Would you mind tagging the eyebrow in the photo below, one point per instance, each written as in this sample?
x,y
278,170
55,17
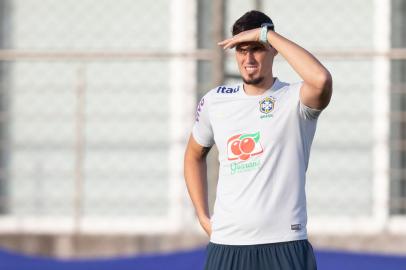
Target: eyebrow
x,y
250,47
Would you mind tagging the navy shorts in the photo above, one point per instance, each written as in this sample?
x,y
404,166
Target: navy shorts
x,y
293,255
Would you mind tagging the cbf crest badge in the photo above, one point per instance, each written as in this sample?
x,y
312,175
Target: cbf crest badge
x,y
267,105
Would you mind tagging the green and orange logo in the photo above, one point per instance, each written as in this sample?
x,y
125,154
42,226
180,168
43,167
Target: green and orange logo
x,y
244,146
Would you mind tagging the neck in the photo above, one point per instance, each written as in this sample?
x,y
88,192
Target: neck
x,y
260,88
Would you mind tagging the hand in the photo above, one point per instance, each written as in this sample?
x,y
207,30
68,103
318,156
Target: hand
x,y
246,36
206,225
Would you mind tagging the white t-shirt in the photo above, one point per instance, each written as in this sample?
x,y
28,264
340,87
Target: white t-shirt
x,y
264,144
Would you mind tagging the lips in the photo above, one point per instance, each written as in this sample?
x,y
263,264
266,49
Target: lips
x,y
251,69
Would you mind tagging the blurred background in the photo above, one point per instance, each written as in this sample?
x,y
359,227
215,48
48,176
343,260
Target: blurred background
x,y
97,100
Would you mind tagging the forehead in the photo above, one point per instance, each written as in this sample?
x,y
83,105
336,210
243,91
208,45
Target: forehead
x,y
250,45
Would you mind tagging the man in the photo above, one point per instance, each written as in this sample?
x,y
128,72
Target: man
x,y
263,129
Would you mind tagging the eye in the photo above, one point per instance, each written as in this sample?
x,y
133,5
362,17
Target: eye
x,y
256,49
242,51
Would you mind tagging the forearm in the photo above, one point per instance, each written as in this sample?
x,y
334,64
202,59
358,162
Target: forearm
x,y
195,171
302,61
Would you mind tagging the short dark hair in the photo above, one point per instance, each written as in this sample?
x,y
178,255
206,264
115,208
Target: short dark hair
x,y
250,20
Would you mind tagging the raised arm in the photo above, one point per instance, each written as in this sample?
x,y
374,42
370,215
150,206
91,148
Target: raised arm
x,y
195,171
317,87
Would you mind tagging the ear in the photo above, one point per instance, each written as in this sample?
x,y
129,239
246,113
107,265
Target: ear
x,y
273,51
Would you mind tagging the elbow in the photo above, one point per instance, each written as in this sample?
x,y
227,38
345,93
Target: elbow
x,y
322,84
322,89
326,89
325,81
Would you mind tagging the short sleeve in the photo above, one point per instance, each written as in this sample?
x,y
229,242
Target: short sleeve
x,y
305,112
308,113
202,129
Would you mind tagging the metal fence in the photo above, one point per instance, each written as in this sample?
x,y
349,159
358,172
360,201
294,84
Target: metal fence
x,y
98,101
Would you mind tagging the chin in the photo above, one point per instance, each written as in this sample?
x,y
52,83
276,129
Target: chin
x,y
253,81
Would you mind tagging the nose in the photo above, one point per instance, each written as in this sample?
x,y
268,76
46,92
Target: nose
x,y
250,57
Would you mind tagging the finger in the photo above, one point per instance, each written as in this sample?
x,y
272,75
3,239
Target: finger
x,y
221,43
230,45
226,46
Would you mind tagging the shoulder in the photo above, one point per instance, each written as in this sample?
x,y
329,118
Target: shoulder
x,y
288,86
291,89
295,86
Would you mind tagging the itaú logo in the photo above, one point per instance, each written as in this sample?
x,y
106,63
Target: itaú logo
x,y
227,90
244,146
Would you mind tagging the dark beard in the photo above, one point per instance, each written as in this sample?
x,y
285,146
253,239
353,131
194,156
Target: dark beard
x,y
253,81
